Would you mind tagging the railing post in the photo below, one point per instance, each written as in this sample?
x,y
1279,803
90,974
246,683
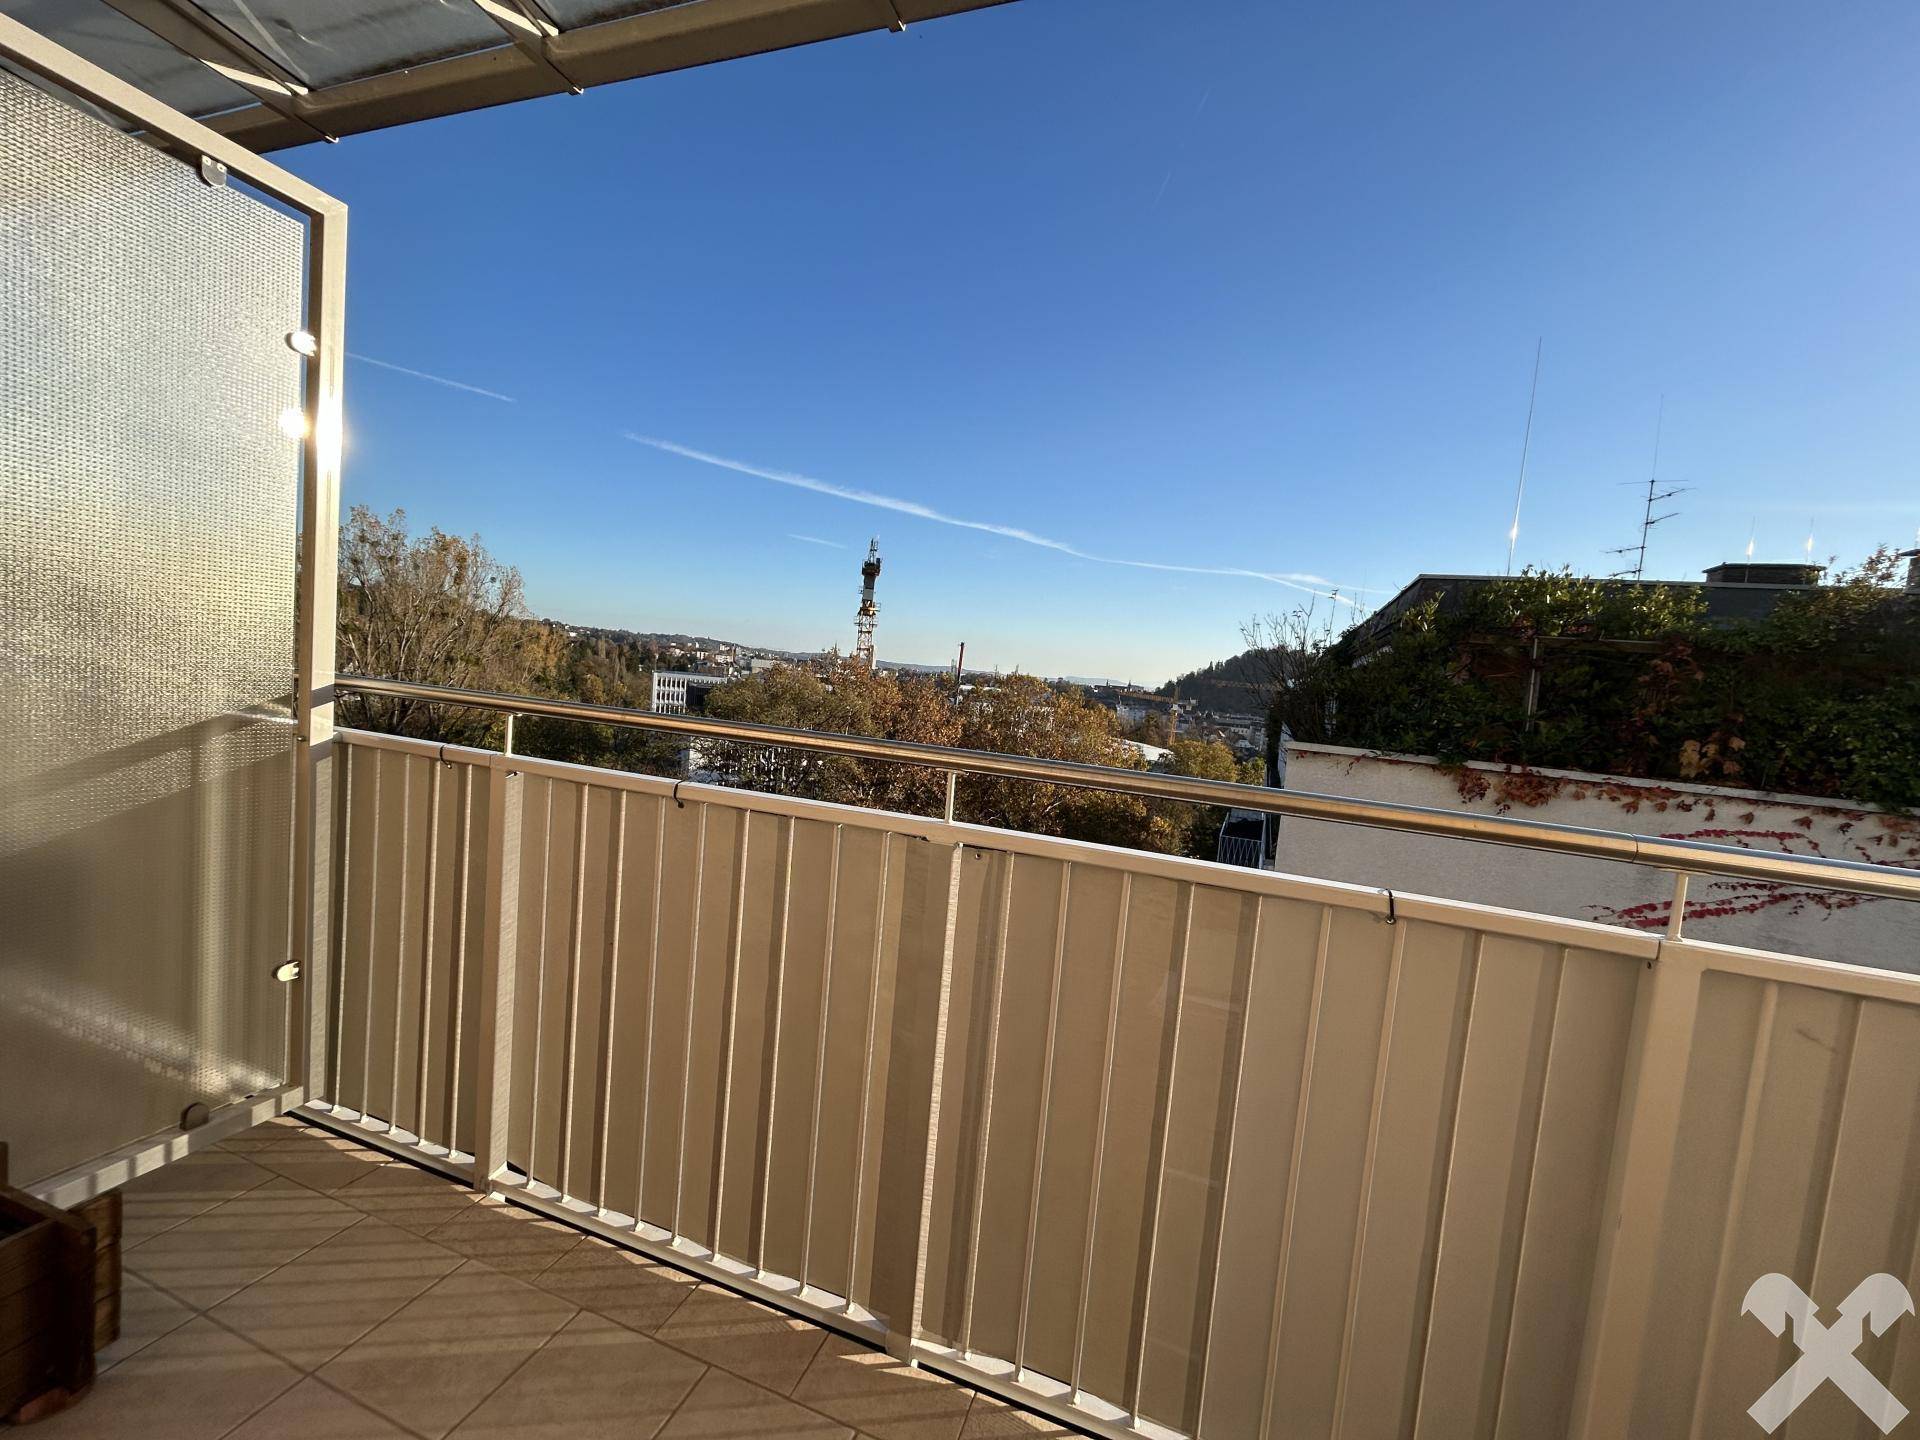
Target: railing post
x,y
953,786
314,649
493,1092
1645,1133
506,744
1677,913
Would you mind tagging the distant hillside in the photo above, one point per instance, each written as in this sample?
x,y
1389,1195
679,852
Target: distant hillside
x,y
1237,685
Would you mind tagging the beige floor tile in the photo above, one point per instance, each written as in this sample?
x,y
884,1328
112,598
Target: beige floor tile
x,y
595,1380
322,1170
213,1173
432,1363
882,1396
176,1192
204,1260
310,1411
990,1419
617,1283
408,1196
195,1384
145,1315
318,1159
725,1407
312,1308
282,1130
510,1239
752,1340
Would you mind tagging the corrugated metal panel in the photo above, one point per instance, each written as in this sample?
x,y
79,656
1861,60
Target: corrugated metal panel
x,y
147,500
1217,1150
1799,1153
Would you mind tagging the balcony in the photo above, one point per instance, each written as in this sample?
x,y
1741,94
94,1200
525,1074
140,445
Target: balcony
x,y
726,1113
521,1097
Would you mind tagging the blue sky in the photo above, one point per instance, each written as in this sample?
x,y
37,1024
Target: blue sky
x,y
1253,296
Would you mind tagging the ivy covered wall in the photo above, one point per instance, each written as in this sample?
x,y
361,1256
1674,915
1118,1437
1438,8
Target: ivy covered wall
x,y
1548,669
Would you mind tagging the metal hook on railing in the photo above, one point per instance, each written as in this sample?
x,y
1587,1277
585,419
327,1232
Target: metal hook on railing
x,y
1392,917
678,802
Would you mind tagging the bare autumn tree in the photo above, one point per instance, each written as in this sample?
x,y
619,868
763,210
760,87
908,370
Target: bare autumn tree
x,y
1286,650
438,609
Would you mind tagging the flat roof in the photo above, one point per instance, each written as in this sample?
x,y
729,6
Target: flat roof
x,y
276,73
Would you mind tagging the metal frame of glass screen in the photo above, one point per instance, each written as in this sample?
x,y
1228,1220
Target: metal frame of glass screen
x,y
326,268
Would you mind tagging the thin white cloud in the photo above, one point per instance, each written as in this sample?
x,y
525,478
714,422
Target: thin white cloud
x,y
1305,583
436,379
816,540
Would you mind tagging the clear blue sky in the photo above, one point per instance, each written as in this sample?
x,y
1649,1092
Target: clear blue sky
x,y
1248,290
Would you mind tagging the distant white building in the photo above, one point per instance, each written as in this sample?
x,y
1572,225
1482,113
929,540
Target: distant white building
x,y
677,692
1155,755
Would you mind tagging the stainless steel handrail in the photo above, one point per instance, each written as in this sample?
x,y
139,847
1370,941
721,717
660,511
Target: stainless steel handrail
x,y
1658,852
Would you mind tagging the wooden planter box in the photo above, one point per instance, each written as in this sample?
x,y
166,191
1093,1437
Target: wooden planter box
x,y
48,1263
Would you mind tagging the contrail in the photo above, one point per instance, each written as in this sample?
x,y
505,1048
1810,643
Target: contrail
x,y
816,540
1307,584
436,379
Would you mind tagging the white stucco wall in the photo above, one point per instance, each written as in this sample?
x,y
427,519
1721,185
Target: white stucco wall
x,y
1853,929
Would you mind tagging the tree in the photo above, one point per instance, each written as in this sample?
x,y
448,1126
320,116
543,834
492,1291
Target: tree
x,y
1012,714
1023,715
1195,829
1285,652
438,610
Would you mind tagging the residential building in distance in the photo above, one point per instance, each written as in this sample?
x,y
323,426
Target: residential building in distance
x,y
680,692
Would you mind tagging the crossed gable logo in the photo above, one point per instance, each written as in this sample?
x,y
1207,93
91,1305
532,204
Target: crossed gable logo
x,y
1827,1351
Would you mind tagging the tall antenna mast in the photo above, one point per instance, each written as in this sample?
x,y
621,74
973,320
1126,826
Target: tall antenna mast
x,y
1526,443
1654,496
869,612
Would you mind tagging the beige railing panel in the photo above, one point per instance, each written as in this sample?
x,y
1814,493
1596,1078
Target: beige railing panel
x,y
751,1034
1560,1218
404,997
861,919
1321,1206
1216,965
1168,1147
1142,1032
1799,1153
630,942
1029,917
1281,1003
803,985
973,966
1061,1223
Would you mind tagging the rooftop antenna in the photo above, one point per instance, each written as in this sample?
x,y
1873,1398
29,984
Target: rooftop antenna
x,y
1654,496
1526,442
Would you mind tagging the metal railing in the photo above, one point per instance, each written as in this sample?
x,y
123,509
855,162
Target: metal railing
x,y
1155,1145
1244,850
1681,857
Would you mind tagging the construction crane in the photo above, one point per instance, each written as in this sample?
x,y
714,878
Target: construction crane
x,y
869,611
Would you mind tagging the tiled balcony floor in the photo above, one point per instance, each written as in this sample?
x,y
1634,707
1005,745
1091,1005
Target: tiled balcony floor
x,y
290,1283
